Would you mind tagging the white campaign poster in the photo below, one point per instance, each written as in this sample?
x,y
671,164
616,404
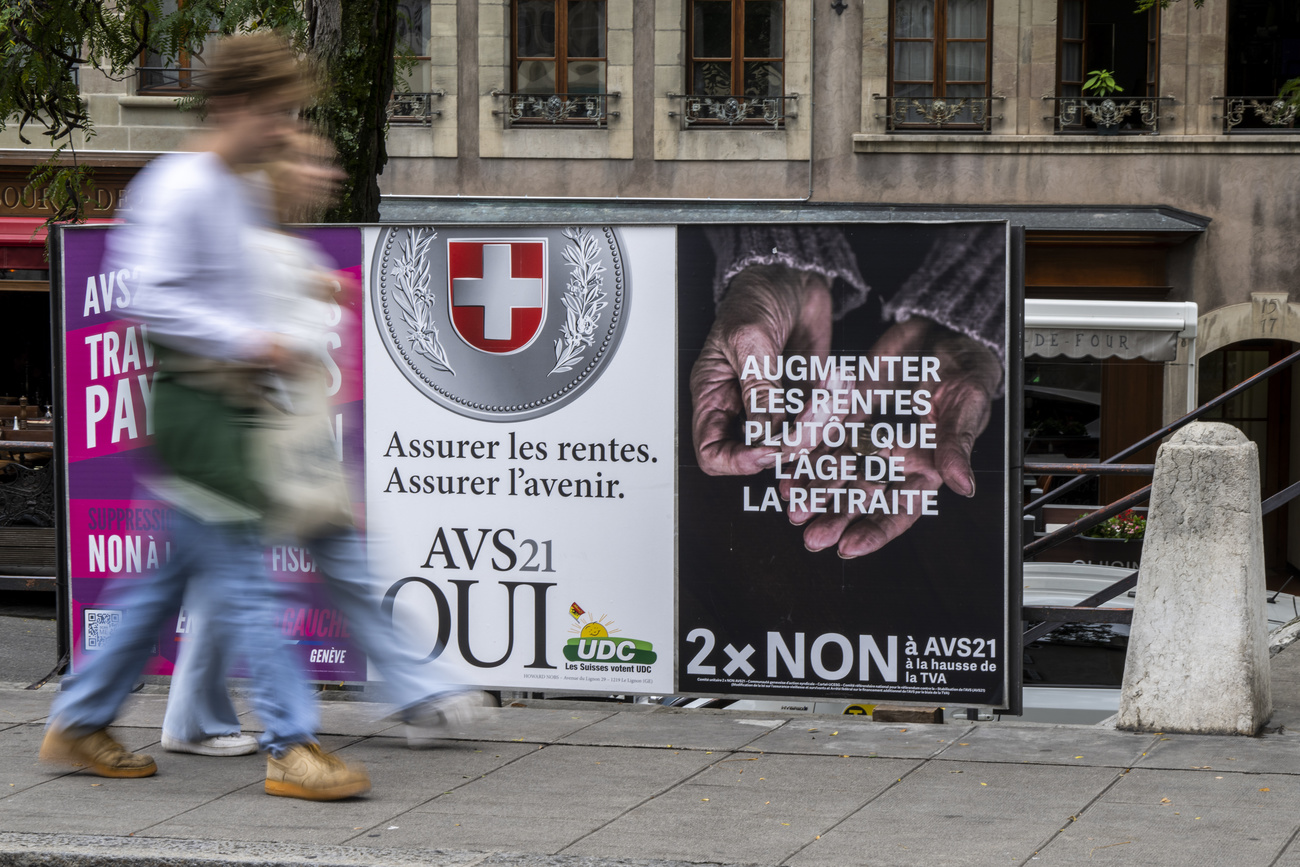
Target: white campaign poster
x,y
519,450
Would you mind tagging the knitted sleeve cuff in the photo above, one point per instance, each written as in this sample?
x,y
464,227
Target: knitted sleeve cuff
x,y
818,249
962,286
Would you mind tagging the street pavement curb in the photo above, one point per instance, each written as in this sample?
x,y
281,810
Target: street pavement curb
x,y
67,850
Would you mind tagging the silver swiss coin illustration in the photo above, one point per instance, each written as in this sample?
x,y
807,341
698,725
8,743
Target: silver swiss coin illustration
x,y
500,324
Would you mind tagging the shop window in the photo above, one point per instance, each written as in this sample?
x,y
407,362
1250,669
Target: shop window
x,y
1107,35
939,64
558,60
1263,55
160,72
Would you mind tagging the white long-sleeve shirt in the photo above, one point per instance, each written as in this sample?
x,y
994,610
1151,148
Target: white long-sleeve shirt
x,y
184,238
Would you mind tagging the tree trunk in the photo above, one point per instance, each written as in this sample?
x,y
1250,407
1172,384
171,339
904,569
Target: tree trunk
x,y
353,41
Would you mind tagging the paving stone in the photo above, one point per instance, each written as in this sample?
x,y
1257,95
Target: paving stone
x,y
976,814
402,779
1269,754
821,737
1194,789
529,725
1049,745
348,718
547,800
1113,833
677,729
142,711
20,767
746,809
18,773
24,706
82,803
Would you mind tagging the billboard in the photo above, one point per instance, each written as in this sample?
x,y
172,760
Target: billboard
x,y
833,379
755,460
520,453
111,527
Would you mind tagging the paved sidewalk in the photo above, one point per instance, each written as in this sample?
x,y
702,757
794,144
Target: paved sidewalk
x,y
591,784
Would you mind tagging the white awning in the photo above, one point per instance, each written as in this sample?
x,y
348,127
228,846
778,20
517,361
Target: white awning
x,y
1107,329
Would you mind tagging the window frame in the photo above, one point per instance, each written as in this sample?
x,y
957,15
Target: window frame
x,y
939,81
738,58
560,58
183,67
1150,79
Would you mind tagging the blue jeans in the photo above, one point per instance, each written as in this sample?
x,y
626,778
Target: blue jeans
x,y
408,682
199,706
224,562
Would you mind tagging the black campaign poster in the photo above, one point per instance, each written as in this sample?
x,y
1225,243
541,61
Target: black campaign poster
x,y
845,521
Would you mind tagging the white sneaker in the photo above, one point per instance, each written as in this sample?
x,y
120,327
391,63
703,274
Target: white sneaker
x,y
221,745
440,716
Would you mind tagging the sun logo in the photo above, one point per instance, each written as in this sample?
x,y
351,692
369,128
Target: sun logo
x,y
595,627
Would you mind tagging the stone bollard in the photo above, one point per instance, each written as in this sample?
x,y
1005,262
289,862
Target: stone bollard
x,y
1198,653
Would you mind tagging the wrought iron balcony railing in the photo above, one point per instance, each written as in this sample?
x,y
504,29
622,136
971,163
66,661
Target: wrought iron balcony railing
x,y
904,113
1107,113
414,108
1266,113
568,109
169,79
701,111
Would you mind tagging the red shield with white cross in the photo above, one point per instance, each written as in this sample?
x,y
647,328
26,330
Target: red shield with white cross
x,y
497,292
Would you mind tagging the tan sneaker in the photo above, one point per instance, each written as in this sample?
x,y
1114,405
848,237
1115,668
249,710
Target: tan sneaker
x,y
98,753
307,772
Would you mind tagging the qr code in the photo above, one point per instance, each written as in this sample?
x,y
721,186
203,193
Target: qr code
x,y
99,624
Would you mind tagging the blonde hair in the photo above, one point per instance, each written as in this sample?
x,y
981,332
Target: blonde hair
x,y
255,65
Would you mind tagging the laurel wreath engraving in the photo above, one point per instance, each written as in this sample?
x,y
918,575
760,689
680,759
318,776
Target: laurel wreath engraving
x,y
583,299
411,277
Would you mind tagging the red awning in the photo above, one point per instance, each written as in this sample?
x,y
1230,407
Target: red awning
x,y
29,231
22,232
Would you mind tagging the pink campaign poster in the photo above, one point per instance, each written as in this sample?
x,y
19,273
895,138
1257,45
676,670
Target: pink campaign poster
x,y
114,533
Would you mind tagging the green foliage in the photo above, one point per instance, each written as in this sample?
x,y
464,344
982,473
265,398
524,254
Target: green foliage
x,y
1291,91
1101,82
43,42
1144,5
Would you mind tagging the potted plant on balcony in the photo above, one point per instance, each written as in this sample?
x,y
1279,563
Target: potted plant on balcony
x,y
1107,114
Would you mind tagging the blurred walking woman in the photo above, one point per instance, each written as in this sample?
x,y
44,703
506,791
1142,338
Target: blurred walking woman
x,y
308,496
187,233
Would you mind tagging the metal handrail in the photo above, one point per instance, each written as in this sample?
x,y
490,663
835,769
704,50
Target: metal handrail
x,y
1070,613
1087,610
577,109
727,110
1074,469
414,107
1276,112
1108,111
904,113
1165,431
1087,522
168,78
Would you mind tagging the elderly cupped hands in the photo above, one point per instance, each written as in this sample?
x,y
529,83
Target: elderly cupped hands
x,y
859,446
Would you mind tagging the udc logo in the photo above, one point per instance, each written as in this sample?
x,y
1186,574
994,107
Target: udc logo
x,y
500,326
